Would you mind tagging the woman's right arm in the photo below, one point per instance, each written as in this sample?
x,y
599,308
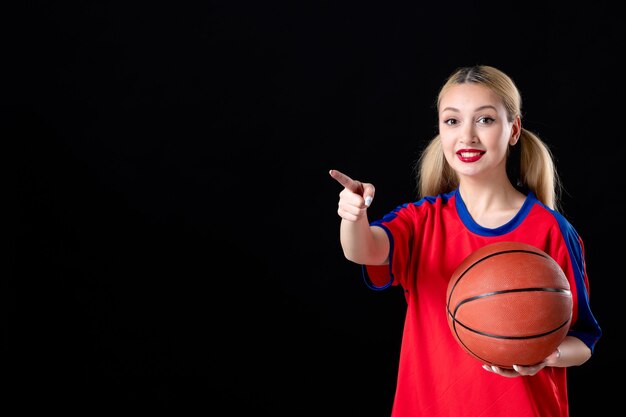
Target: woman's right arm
x,y
361,243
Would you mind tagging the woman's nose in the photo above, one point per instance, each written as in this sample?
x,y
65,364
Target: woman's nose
x,y
468,135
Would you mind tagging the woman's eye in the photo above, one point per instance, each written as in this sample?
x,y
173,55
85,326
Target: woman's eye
x,y
486,120
450,122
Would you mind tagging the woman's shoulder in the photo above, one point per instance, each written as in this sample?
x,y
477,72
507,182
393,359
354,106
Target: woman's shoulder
x,y
442,198
419,209
559,219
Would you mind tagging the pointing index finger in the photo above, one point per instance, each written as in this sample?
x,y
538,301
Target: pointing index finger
x,y
352,185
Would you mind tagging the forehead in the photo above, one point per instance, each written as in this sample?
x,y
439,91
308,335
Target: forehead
x,y
469,96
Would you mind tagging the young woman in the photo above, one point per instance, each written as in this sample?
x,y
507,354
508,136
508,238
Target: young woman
x,y
472,193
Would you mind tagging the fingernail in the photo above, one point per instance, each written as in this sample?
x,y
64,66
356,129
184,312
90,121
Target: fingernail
x,y
368,200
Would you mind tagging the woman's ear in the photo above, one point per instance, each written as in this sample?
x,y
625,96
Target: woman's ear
x,y
516,130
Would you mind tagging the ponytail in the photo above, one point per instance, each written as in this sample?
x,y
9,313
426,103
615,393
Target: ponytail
x,y
537,170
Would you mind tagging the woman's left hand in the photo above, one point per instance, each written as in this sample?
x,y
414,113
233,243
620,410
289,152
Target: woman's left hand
x,y
524,370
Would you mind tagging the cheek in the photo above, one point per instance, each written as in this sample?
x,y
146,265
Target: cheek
x,y
496,140
447,144
447,147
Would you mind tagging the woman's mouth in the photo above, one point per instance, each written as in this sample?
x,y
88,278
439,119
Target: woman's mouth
x,y
469,155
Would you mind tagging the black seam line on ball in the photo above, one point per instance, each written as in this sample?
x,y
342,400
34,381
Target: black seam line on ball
x,y
495,336
529,289
491,294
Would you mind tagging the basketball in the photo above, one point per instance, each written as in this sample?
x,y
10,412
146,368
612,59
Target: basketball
x,y
509,303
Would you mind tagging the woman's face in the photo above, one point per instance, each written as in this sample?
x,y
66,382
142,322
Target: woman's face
x,y
475,132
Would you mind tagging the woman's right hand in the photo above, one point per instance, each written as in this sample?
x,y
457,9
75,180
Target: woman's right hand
x,y
355,198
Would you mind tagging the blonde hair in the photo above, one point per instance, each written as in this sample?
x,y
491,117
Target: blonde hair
x,y
537,171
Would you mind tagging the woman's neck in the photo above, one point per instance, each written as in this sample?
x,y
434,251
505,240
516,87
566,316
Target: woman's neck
x,y
491,204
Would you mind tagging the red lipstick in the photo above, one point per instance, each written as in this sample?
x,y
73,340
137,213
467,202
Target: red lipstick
x,y
469,155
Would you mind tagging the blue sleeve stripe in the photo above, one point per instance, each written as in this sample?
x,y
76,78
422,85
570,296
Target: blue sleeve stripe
x,y
586,327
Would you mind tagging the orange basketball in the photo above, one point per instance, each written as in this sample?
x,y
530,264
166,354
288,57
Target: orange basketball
x,y
508,304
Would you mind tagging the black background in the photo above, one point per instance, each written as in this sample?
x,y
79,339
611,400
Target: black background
x,y
175,230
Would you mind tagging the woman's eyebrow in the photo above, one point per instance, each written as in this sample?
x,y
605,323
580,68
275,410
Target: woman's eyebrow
x,y
487,106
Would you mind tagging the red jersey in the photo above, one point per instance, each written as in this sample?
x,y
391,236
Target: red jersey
x,y
436,378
